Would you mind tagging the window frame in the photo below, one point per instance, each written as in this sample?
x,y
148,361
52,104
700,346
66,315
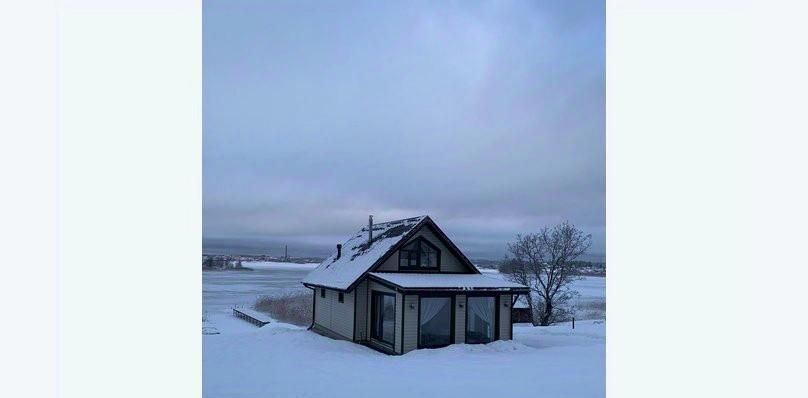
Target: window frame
x,y
341,297
375,334
419,241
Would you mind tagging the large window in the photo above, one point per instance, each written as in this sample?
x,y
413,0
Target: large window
x,y
419,255
383,317
480,319
435,322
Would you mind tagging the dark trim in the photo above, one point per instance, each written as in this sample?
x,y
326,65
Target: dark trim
x,y
355,319
403,324
418,328
385,283
453,303
341,297
498,303
312,285
313,307
421,271
511,319
472,292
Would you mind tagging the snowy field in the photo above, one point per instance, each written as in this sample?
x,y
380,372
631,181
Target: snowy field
x,y
223,290
281,360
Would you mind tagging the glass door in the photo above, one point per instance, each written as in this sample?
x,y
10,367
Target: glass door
x,y
383,317
480,319
435,322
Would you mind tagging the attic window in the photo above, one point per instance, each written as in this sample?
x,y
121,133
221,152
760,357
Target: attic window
x,y
419,255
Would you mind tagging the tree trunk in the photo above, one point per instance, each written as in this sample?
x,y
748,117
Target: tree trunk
x,y
546,316
533,317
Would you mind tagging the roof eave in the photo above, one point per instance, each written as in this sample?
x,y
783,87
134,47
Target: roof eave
x,y
397,287
467,289
315,285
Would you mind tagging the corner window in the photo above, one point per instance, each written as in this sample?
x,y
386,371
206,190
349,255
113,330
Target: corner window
x,y
341,297
419,255
322,293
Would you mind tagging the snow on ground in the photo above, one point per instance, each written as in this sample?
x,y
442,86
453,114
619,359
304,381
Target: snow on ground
x,y
281,360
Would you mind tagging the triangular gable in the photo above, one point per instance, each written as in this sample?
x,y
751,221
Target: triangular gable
x,y
430,232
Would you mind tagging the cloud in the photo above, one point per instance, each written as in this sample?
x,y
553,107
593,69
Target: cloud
x,y
489,117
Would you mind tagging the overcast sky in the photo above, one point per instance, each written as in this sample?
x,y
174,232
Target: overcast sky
x,y
487,117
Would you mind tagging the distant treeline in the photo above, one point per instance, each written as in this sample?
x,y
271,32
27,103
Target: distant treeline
x,y
583,268
229,261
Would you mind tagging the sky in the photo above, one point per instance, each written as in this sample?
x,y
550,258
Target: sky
x,y
487,116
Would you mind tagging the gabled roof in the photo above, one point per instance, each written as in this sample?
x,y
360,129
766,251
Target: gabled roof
x,y
358,257
434,281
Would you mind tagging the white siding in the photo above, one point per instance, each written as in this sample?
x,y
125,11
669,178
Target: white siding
x,y
322,310
333,315
460,319
410,322
448,261
361,298
342,314
505,317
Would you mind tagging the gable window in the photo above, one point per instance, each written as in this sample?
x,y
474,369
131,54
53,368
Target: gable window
x,y
322,293
341,297
419,255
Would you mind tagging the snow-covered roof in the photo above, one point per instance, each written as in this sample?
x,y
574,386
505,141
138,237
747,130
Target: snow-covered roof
x,y
357,256
445,281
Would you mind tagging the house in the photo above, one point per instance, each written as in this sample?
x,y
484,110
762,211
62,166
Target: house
x,y
402,285
521,311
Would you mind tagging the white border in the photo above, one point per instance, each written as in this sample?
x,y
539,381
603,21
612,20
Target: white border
x,y
705,198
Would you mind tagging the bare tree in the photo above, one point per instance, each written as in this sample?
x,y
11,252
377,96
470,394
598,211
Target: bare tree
x,y
543,261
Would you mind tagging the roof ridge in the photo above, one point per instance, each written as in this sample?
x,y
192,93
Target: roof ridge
x,y
421,217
